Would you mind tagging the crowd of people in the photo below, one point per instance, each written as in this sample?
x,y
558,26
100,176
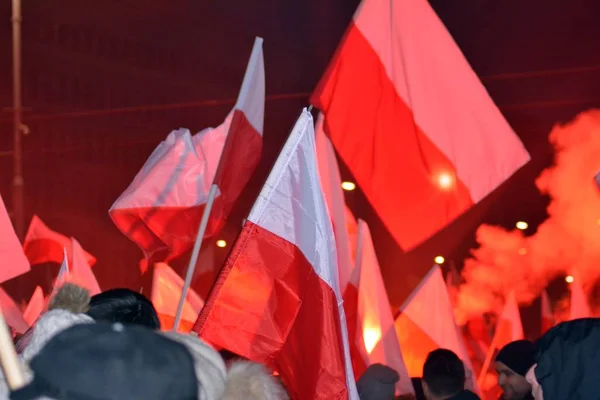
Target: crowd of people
x,y
110,346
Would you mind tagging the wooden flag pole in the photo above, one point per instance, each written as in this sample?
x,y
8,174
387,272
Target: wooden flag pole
x,y
8,358
195,253
488,358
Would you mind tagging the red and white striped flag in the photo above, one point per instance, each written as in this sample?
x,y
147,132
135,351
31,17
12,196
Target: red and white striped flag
x,y
277,300
161,209
80,272
14,262
167,287
371,329
426,322
331,182
402,105
43,245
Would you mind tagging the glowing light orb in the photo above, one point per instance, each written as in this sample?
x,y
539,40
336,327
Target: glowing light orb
x,y
439,260
522,225
221,243
569,279
445,180
348,186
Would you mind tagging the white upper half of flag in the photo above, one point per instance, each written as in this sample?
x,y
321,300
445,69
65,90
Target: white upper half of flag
x,y
251,100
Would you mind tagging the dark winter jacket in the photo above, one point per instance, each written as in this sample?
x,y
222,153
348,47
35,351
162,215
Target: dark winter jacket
x,y
568,361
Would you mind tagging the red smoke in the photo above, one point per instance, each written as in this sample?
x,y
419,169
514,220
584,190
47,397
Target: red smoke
x,y
568,242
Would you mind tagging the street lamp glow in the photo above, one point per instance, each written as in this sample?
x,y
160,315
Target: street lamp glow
x,y
522,225
569,279
221,243
348,186
439,260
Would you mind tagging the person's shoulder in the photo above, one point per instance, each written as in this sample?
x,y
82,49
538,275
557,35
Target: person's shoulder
x,y
466,395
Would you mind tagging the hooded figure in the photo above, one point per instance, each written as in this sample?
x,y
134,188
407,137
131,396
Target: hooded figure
x,y
512,363
444,377
378,382
567,362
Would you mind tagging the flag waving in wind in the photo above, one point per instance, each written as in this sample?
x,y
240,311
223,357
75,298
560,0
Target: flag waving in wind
x,y
412,121
277,300
161,209
371,328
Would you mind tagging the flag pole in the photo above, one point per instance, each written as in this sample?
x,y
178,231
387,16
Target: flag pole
x,y
195,253
17,122
359,244
8,358
488,359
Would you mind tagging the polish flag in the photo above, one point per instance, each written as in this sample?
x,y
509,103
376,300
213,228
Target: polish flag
x,y
36,305
14,262
161,209
508,329
371,329
80,272
580,307
426,322
277,300
509,326
43,245
167,287
402,105
547,314
12,314
334,197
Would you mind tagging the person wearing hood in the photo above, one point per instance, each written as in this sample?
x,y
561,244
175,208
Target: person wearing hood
x,y
444,377
512,363
378,382
567,362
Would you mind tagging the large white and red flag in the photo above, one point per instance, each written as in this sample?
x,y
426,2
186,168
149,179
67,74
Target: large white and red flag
x,y
277,300
342,219
43,245
580,308
167,287
371,329
426,322
412,121
161,209
14,262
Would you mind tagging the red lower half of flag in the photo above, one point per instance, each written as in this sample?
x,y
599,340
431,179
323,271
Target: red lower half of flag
x,y
164,233
270,306
240,157
355,334
409,182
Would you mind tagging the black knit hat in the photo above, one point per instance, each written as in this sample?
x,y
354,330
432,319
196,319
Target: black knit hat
x,y
518,356
111,362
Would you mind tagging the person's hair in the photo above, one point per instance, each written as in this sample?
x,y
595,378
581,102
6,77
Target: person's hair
x,y
444,373
124,306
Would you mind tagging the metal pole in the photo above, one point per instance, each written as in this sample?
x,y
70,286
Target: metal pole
x,y
17,121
